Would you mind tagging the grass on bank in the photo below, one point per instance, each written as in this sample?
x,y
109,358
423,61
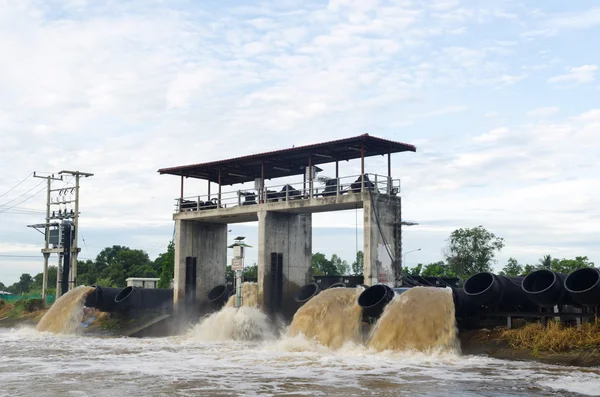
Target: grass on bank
x,y
29,308
554,337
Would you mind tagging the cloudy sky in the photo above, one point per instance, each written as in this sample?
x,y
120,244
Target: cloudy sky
x,y
501,98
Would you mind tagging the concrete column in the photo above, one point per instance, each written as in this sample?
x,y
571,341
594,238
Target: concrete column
x,y
291,235
207,242
184,247
210,249
382,240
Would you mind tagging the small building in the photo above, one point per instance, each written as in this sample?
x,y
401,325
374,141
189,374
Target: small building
x,y
142,282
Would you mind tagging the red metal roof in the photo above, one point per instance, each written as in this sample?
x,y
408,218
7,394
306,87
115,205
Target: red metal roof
x,y
287,162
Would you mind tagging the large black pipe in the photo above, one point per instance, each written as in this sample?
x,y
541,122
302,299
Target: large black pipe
x,y
463,306
306,292
103,299
500,292
584,286
219,295
337,285
546,288
374,299
66,257
135,298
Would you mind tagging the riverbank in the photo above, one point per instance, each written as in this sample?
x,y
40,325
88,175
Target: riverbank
x,y
517,345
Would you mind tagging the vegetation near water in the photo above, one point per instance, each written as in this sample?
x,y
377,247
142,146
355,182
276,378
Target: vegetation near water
x,y
554,337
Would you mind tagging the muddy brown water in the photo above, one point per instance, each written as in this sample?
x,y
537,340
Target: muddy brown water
x,y
239,352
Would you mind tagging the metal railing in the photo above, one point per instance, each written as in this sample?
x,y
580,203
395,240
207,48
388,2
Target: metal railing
x,y
318,188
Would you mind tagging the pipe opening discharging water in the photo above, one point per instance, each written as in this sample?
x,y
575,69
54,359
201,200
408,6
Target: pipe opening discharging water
x,y
421,318
219,295
331,318
246,323
584,286
65,315
250,295
374,299
306,292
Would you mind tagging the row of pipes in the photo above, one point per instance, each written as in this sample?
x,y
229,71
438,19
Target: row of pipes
x,y
541,288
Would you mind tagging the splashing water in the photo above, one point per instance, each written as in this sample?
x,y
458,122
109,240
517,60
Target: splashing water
x,y
249,295
331,318
65,315
230,323
421,318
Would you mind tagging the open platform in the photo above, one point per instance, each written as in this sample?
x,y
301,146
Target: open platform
x,y
281,190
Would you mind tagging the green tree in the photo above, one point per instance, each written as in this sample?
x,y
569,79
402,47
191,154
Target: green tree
x,y
321,266
166,263
2,287
38,279
545,262
569,265
115,264
250,271
415,271
437,269
341,266
528,269
25,283
472,251
87,272
106,282
512,268
358,266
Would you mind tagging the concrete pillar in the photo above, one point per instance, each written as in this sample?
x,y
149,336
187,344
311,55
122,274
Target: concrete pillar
x,y
207,242
382,240
291,235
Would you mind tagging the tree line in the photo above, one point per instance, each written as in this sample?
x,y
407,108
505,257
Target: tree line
x,y
468,251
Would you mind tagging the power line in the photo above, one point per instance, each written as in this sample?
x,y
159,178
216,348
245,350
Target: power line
x,y
27,199
10,201
12,188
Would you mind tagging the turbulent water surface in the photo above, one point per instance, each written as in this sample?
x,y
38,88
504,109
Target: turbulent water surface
x,y
239,352
43,364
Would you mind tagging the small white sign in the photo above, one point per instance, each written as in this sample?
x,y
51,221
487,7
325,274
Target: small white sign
x,y
237,264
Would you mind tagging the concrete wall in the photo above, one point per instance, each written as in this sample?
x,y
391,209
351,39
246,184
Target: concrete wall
x,y
290,234
208,243
382,265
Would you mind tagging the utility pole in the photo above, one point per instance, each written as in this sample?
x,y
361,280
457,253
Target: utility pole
x,y
46,254
75,248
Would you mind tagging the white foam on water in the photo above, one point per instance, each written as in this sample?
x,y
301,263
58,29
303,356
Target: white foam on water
x,y
244,323
55,364
576,383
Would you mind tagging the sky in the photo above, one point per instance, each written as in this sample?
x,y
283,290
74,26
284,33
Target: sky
x,y
501,99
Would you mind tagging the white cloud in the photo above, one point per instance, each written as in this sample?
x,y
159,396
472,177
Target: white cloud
x,y
543,112
581,74
126,91
493,135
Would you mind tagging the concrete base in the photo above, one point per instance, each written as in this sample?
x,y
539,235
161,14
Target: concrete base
x,y
284,241
383,240
284,238
207,243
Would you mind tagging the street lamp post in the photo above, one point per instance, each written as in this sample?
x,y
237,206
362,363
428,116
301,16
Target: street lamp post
x,y
404,259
